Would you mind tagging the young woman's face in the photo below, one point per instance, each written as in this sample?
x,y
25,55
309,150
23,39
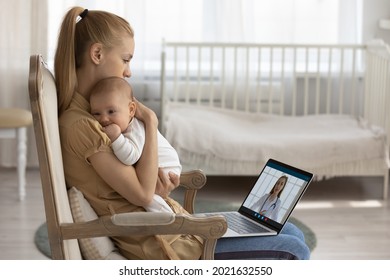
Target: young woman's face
x,y
280,184
117,60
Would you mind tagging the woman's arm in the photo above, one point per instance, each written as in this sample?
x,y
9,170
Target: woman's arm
x,y
122,178
147,165
136,183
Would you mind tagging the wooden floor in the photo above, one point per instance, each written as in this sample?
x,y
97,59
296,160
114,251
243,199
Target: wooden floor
x,y
349,218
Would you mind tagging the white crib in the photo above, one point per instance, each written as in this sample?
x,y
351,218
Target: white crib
x,y
227,108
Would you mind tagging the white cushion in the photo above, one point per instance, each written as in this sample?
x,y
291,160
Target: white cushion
x,y
97,248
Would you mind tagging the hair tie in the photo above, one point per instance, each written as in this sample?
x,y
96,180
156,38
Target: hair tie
x,y
82,15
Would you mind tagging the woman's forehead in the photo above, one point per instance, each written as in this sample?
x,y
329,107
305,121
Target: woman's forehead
x,y
127,45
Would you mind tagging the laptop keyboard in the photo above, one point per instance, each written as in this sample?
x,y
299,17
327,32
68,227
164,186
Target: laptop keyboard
x,y
238,223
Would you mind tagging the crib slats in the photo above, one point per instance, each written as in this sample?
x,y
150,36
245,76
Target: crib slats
x,y
354,84
306,88
211,101
187,76
318,82
199,84
246,86
235,80
223,82
294,88
282,87
329,84
258,84
269,78
341,81
175,77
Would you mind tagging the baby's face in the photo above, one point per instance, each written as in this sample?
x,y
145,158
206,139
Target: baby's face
x,y
112,108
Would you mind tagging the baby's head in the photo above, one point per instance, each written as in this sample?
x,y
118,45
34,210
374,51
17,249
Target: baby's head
x,y
111,101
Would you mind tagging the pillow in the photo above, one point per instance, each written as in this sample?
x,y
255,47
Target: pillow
x,y
97,248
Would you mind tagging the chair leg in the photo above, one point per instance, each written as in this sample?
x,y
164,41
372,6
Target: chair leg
x,y
22,160
386,185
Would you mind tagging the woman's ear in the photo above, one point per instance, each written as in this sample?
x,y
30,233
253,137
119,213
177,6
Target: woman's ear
x,y
96,52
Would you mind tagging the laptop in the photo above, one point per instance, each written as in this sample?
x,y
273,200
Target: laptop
x,y
269,203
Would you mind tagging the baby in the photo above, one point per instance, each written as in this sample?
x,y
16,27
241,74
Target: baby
x,y
113,106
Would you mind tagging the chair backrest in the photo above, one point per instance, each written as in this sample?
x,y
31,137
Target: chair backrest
x,y
43,99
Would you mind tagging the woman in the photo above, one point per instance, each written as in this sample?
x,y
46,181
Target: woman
x,y
93,45
269,204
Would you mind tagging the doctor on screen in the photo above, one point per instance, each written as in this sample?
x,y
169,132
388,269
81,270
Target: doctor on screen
x,y
269,204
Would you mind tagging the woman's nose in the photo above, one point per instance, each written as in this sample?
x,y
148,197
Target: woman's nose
x,y
127,73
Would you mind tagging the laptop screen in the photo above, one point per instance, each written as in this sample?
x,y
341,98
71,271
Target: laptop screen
x,y
275,193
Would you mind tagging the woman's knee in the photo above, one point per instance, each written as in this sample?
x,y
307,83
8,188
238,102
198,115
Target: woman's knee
x,y
304,252
293,230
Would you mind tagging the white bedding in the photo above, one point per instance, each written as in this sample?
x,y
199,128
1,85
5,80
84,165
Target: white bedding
x,y
238,143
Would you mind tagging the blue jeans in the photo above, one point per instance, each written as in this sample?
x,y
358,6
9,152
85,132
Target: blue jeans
x,y
288,244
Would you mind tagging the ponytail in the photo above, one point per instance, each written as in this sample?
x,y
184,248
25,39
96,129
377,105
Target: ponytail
x,y
64,60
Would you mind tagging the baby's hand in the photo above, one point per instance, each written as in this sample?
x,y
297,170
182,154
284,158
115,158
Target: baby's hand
x,y
113,131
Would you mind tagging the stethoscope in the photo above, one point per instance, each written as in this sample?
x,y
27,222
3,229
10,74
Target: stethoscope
x,y
273,205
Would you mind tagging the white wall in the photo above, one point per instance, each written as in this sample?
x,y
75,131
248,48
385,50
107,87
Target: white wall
x,y
373,11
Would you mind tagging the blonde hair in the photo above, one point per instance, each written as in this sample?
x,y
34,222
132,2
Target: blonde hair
x,y
75,37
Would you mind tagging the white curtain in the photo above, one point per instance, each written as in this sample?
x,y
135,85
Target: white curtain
x,y
277,21
23,31
31,26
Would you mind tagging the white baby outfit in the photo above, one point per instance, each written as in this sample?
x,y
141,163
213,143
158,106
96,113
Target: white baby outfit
x,y
128,148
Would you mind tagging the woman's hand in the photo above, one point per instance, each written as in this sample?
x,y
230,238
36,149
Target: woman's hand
x,y
166,183
145,114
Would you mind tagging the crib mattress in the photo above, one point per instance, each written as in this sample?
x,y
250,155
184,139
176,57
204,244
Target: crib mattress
x,y
222,141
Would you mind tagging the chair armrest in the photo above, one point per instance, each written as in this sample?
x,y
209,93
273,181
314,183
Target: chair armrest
x,y
192,181
143,219
145,223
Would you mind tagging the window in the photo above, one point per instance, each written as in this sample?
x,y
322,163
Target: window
x,y
278,21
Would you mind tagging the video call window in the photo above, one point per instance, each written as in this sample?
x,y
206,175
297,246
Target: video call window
x,y
263,187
